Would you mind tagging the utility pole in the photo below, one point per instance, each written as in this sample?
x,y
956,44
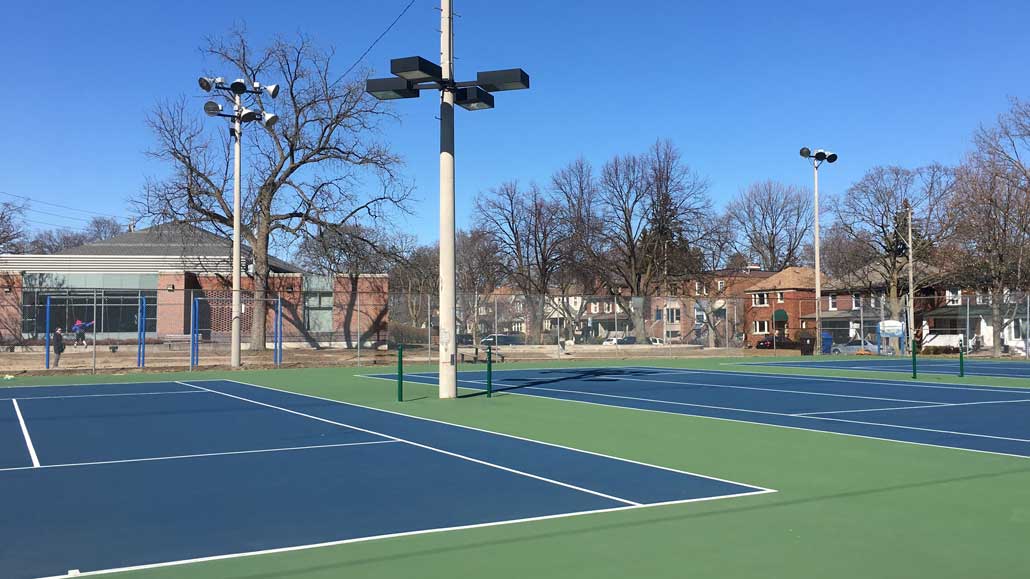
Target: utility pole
x,y
911,282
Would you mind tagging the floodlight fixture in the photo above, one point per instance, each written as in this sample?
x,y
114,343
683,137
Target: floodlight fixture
x,y
272,90
820,155
269,119
247,115
831,157
806,152
238,86
416,69
473,98
207,83
212,109
507,79
390,88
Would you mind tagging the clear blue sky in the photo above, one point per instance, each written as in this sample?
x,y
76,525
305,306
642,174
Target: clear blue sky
x,y
738,86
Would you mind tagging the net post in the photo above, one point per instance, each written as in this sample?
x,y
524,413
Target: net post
x,y
46,338
400,372
194,346
914,373
489,371
279,331
139,311
961,356
143,326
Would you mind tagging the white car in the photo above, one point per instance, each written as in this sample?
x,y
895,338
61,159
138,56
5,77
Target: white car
x,y
656,341
857,346
610,342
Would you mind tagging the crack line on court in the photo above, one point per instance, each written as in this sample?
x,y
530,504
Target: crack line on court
x,y
200,455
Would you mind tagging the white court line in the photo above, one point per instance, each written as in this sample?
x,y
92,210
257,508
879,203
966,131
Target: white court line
x,y
736,420
108,395
25,433
201,455
806,392
941,405
393,535
809,417
516,437
971,387
427,447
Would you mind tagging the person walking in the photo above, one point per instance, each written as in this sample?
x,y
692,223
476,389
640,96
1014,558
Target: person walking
x,y
58,343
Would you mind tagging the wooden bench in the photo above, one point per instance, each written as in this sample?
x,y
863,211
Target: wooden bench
x,y
172,339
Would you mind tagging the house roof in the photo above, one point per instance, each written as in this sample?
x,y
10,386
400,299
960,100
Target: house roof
x,y
796,278
873,276
184,240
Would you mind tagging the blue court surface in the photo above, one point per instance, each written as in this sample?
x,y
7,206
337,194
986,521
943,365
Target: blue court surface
x,y
978,418
973,367
118,476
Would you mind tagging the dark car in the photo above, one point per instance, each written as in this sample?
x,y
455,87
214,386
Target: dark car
x,y
625,341
503,340
781,343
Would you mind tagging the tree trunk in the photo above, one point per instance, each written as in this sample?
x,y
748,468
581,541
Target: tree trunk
x,y
258,322
997,324
895,302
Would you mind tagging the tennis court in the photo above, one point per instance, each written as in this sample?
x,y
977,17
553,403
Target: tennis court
x,y
969,417
973,367
142,475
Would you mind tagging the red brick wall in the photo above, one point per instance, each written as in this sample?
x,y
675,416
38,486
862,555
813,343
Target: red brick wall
x,y
361,308
796,303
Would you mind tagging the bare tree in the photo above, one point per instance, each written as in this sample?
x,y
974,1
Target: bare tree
x,y
49,241
871,217
478,272
320,166
773,221
523,225
992,208
581,275
12,227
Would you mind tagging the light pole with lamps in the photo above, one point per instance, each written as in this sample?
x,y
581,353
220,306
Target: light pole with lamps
x,y
414,74
240,114
817,159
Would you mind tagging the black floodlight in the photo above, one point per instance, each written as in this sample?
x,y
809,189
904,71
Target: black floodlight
x,y
416,69
212,109
497,80
473,98
806,152
831,157
820,155
247,115
390,88
238,86
207,83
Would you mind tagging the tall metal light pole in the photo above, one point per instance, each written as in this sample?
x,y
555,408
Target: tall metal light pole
x,y
414,74
817,159
911,281
240,115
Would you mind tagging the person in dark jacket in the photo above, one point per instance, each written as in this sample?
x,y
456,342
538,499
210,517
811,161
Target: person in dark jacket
x,y
58,344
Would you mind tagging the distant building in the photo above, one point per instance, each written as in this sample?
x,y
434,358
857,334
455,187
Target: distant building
x,y
169,265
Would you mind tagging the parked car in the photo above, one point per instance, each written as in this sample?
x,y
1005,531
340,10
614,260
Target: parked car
x,y
610,341
623,341
463,339
656,341
859,346
781,343
502,340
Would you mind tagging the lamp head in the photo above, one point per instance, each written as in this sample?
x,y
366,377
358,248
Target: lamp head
x,y
831,157
212,109
806,152
247,115
238,86
272,90
269,119
820,155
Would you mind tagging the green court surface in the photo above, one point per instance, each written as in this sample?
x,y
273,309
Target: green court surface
x,y
847,507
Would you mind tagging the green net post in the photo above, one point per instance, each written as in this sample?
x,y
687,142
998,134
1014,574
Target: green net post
x,y
400,372
489,371
914,373
961,356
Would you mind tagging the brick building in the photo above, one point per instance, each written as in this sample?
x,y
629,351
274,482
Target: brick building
x,y
780,303
169,266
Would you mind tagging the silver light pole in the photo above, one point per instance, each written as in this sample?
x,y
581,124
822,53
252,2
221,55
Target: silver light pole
x,y
414,74
240,115
817,159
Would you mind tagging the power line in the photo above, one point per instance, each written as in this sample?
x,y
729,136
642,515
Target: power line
x,y
378,38
58,205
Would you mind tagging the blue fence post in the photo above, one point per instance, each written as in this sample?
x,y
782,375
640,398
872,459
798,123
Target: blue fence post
x,y
46,339
143,330
194,335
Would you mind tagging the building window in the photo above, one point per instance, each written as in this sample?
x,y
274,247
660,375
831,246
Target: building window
x,y
721,284
700,289
117,311
804,325
657,314
779,297
856,301
983,299
833,302
761,326
759,300
607,307
594,308
953,297
672,315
